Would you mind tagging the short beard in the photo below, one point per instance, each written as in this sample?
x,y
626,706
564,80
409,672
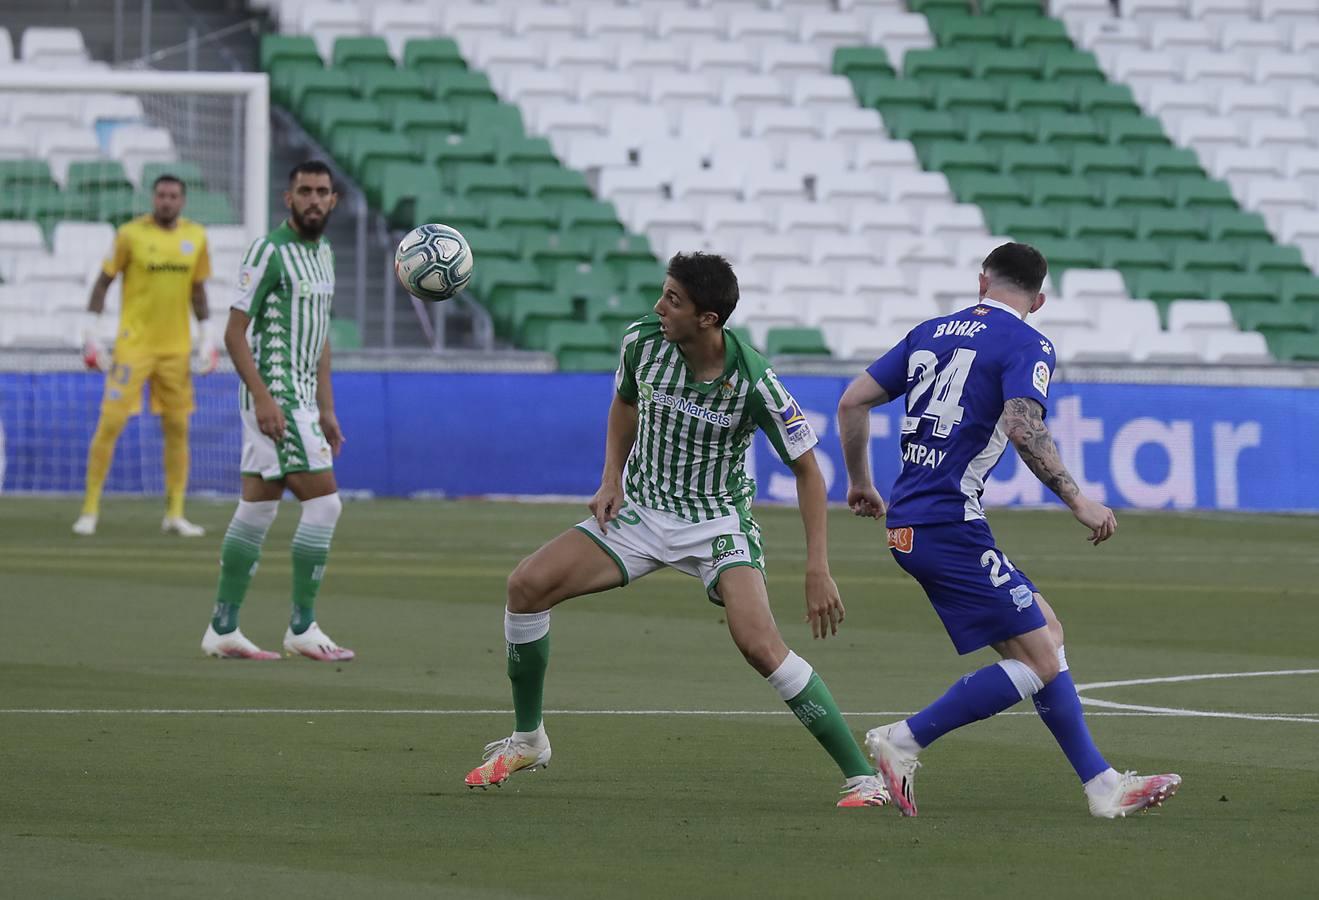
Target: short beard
x,y
310,232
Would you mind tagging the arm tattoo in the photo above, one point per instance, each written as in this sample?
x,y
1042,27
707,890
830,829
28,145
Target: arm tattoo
x,y
1023,420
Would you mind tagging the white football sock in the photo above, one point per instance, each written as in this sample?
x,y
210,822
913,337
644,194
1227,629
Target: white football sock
x,y
901,737
536,738
1102,783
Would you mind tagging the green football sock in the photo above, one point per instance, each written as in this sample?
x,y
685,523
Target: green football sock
x,y
815,708
239,555
526,670
311,548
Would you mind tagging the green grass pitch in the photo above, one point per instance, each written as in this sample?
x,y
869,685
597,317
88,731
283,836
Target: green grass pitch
x,y
354,787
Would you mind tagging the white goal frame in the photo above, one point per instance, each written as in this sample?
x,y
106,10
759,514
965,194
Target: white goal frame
x,y
254,86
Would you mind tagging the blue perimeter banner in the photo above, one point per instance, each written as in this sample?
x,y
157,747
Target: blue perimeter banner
x,y
465,434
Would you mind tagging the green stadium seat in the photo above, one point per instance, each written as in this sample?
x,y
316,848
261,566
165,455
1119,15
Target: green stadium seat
x,y
283,76
1170,226
1203,257
644,277
1136,131
795,341
488,244
616,312
968,96
427,55
527,314
420,119
1032,159
619,252
1063,190
393,85
1005,65
1293,346
1266,316
483,181
499,120
1240,288
989,190
463,88
1106,101
1298,288
918,125
1199,193
116,207
935,64
595,218
1275,259
1130,257
966,32
1088,224
521,216
401,183
449,151
462,213
1037,34
1027,224
358,55
577,359
49,205
525,152
280,48
189,172
996,129
211,208
857,63
1169,162
371,153
1164,287
95,176
581,279
1071,67
952,157
894,95
1014,9
25,173
547,250
1067,129
495,282
1093,160
554,185
1040,97
1126,192
1237,226
310,88
1069,254
580,346
345,335
341,117
939,8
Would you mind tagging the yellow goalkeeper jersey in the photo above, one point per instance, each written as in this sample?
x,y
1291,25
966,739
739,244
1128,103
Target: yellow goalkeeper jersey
x,y
159,267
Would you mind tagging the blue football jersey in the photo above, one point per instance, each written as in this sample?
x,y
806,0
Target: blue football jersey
x,y
956,372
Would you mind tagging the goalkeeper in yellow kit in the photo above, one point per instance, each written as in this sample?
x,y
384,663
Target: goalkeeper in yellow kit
x,y
165,263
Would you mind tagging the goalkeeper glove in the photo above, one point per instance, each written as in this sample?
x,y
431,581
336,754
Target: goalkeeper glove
x,y
93,350
207,357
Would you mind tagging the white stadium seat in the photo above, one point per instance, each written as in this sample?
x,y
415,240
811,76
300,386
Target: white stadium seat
x,y
83,244
650,57
772,187
1294,70
845,250
1272,197
1236,162
707,185
18,239
921,189
882,223
1209,132
587,153
1144,66
1154,9
886,157
779,125
1255,39
135,146
1216,69
610,23
535,86
572,56
851,125
735,221
1162,347
1172,101
814,158
1094,346
39,111
1253,102
1235,347
851,191
6,47
1181,36
705,126
496,52
792,60
809,219
953,222
111,108
683,25
836,313
1304,36
624,184
747,91
721,58
1302,166
1059,314
567,119
637,123
1108,34
908,312
46,268
773,250
900,32
399,23
759,28
1227,11
868,343
61,146
1200,316
817,92
326,22
1278,134
53,47
830,30
676,91
472,21
545,21
747,155
1093,285
19,300
610,88
1287,12
1297,227
879,284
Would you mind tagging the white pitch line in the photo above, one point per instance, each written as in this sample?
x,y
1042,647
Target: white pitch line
x,y
1193,713
1170,679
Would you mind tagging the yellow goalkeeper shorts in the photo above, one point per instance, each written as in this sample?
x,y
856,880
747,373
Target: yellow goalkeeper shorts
x,y
169,379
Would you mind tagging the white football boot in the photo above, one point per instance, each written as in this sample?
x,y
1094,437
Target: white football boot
x,y
896,766
85,526
504,757
181,526
232,646
868,790
1132,793
315,644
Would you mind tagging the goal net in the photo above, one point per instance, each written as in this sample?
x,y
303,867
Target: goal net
x,y
78,159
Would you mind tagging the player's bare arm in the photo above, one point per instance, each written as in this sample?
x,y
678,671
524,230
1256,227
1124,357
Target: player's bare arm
x,y
269,417
861,396
1023,420
620,436
325,402
96,302
824,607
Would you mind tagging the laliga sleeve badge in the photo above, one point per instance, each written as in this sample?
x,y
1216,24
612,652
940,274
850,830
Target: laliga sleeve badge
x,y
1040,378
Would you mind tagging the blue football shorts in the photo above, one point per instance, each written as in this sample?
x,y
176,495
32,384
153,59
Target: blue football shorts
x,y
980,596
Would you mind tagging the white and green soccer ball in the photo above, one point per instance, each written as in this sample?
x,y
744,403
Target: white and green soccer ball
x,y
433,262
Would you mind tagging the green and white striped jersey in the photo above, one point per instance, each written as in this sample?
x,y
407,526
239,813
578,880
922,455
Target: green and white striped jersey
x,y
692,436
286,284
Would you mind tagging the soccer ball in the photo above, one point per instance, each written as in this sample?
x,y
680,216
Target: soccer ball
x,y
433,262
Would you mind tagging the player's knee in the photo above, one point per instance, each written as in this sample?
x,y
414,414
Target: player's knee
x,y
762,653
1046,666
174,425
527,589
110,425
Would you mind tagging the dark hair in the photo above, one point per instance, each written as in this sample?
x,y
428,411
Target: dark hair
x,y
1021,265
311,167
169,179
708,279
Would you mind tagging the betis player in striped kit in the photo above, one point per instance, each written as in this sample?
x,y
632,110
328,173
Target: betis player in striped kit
x,y
675,493
290,432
